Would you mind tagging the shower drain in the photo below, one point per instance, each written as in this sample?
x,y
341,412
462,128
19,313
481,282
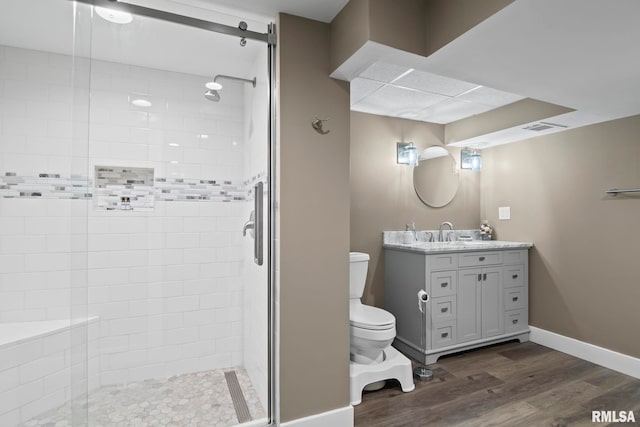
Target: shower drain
x,y
237,397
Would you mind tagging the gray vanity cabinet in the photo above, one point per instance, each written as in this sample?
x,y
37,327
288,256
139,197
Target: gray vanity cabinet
x,y
475,298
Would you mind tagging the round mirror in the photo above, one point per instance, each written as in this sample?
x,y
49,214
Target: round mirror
x,y
435,179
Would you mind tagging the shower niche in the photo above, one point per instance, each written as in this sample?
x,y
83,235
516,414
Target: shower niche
x,y
124,188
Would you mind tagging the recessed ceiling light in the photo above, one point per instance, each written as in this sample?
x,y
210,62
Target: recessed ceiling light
x,y
213,86
115,16
173,144
204,136
140,102
234,143
174,162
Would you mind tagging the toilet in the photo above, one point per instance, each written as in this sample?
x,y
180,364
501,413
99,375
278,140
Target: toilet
x,y
372,330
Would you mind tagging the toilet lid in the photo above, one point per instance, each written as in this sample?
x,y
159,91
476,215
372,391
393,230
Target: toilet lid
x,y
367,317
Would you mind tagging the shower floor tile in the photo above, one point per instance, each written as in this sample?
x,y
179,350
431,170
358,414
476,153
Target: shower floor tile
x,y
189,400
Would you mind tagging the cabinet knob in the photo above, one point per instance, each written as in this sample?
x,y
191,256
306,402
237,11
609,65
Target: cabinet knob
x,y
514,321
515,276
444,334
481,258
515,298
444,284
444,309
479,277
484,276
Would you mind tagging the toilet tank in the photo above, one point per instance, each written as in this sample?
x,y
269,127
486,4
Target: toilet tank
x,y
358,265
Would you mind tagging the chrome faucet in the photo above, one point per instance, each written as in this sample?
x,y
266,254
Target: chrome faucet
x,y
440,239
412,227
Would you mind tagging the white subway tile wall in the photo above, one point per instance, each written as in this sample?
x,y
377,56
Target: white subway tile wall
x,y
37,372
166,283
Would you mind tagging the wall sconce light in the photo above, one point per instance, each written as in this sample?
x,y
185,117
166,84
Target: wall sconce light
x,y
470,159
407,153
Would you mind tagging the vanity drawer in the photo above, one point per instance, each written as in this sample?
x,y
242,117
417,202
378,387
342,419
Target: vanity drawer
x,y
443,334
515,298
516,257
443,309
515,320
513,275
477,259
443,261
444,283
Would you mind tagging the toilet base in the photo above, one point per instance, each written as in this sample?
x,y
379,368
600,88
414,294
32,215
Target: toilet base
x,y
395,366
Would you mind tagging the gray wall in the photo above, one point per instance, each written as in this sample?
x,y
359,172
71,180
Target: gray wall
x,y
313,223
417,26
584,276
582,280
395,23
349,31
516,114
448,19
583,268
382,194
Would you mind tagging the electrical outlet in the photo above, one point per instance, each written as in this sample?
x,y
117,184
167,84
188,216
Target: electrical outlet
x,y
504,212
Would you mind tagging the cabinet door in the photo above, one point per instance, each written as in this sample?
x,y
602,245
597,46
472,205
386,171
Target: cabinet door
x,y
492,309
469,305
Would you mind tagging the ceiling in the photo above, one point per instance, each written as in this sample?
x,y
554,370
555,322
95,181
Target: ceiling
x,y
399,91
580,54
320,10
264,11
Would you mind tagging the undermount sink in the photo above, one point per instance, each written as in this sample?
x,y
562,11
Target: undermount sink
x,y
454,244
475,243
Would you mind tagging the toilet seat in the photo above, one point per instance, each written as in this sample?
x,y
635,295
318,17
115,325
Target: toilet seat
x,y
372,318
373,335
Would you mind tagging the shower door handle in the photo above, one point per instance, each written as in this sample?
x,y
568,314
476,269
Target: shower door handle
x,y
254,225
258,196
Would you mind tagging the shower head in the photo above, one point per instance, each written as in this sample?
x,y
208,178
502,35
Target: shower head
x,y
213,86
212,95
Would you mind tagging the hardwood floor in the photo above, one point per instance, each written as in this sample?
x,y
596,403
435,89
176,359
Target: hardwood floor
x,y
508,384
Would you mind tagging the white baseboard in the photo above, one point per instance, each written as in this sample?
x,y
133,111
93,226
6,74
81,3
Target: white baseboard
x,y
601,356
342,417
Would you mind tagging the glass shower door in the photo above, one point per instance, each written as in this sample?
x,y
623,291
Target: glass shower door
x,y
164,311
44,198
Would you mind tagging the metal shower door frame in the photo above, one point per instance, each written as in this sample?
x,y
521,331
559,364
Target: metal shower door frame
x,y
269,37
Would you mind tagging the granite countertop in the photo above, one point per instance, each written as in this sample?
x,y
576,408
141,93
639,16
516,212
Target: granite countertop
x,y
456,246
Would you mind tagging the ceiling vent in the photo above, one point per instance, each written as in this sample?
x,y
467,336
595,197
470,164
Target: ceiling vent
x,y
537,127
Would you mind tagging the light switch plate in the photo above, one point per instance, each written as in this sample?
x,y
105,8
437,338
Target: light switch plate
x,y
504,212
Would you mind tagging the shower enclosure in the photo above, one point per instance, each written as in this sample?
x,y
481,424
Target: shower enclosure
x,y
135,215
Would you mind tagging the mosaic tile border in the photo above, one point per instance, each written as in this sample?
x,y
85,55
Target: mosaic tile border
x,y
250,183
127,193
45,185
